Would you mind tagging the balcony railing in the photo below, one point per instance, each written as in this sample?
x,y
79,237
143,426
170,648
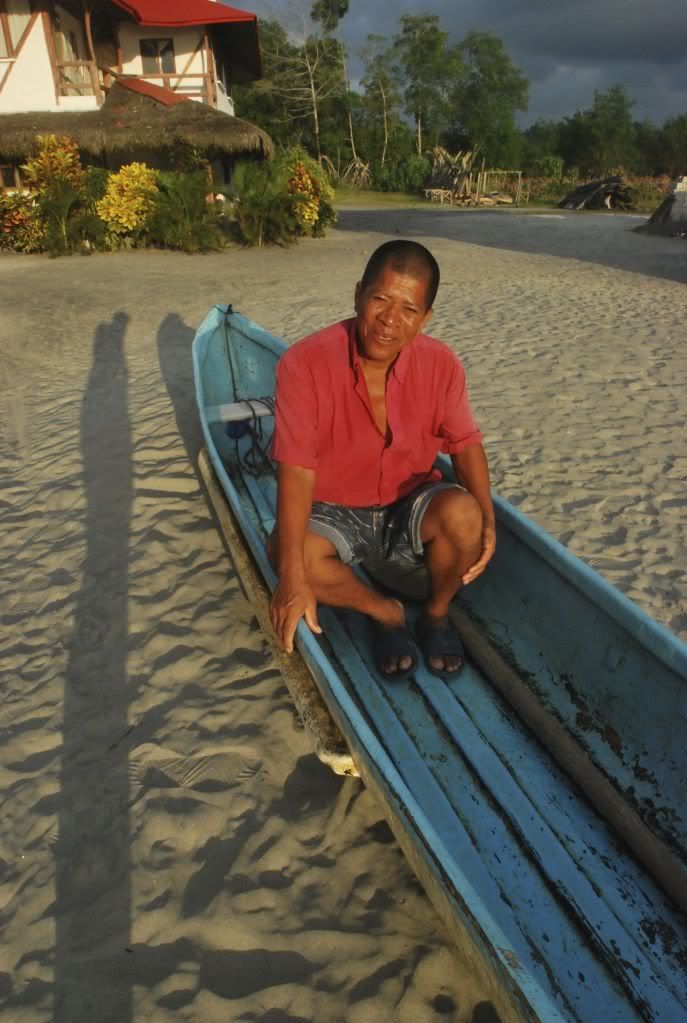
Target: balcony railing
x,y
78,78
196,85
86,78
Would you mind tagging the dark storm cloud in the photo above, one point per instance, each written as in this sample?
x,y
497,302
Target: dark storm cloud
x,y
567,48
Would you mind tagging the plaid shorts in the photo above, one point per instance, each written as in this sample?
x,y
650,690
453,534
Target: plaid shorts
x,y
388,532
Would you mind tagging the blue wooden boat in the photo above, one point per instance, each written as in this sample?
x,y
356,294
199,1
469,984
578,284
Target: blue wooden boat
x,y
553,913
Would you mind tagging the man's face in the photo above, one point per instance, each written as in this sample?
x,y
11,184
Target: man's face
x,y
390,313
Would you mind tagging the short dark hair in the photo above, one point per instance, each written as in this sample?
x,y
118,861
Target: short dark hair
x,y
404,257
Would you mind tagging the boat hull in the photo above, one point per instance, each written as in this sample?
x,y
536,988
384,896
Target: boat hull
x,y
544,903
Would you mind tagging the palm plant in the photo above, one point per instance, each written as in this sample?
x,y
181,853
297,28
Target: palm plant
x,y
183,218
264,208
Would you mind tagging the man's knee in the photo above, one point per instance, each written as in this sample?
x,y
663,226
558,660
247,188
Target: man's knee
x,y
455,515
317,550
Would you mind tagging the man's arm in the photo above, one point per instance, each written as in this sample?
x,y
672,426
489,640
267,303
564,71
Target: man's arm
x,y
292,599
472,470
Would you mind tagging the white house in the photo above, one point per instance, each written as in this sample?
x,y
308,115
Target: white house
x,y
63,56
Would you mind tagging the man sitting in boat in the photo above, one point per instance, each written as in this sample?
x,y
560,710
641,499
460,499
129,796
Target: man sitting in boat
x,y
362,409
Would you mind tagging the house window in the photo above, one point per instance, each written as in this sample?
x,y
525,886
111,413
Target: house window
x,y
157,56
7,177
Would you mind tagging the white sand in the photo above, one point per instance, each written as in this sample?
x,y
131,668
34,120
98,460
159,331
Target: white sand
x,y
170,849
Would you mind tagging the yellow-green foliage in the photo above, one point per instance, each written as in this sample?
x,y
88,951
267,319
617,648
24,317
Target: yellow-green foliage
x,y
21,228
129,200
313,196
55,157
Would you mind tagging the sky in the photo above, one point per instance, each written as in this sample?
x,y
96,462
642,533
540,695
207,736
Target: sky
x,y
566,48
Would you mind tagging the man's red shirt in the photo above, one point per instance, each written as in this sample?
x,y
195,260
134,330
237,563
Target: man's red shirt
x,y
324,418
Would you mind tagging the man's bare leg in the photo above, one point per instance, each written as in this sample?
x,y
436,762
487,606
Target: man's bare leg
x,y
451,534
336,585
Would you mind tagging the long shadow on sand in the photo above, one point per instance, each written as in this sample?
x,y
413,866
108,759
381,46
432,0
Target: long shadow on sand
x,y
174,341
92,858
590,237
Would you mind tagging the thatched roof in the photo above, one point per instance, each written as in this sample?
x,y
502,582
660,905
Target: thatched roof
x,y
129,120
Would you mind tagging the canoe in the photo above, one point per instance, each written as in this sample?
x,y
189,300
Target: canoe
x,y
540,796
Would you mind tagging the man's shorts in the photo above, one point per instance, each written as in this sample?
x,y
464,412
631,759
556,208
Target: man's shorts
x,y
388,532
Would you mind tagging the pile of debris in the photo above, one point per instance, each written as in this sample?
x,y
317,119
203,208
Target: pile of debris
x,y
671,216
609,192
450,179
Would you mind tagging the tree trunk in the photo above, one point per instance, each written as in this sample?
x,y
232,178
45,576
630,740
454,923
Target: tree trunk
x,y
386,122
313,100
419,133
348,93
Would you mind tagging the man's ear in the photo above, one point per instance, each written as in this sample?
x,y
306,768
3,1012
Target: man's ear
x,y
427,317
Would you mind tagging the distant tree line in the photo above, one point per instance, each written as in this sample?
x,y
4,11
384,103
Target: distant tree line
x,y
419,90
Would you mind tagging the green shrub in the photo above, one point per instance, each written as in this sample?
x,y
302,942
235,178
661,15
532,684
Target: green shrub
x,y
94,186
57,204
407,175
183,218
549,166
21,227
264,207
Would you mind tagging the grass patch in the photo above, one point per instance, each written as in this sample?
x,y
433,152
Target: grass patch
x,y
370,198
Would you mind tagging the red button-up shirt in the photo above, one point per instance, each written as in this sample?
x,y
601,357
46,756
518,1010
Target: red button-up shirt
x,y
324,418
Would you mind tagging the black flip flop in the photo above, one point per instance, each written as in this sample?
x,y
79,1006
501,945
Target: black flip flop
x,y
439,640
393,642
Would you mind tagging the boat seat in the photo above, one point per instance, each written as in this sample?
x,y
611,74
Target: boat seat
x,y
239,411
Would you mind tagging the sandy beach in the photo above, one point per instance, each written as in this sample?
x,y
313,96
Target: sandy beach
x,y
170,849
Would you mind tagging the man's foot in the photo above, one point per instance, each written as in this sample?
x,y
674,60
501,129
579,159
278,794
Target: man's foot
x,y
394,650
440,644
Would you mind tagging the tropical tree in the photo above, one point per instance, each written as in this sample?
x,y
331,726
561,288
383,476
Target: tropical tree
x,y
381,89
329,13
601,139
264,102
673,145
487,92
613,145
424,65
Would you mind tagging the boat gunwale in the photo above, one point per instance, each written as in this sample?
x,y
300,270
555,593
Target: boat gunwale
x,y
487,931
525,987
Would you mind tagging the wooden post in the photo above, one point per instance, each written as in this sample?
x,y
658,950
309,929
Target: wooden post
x,y
120,60
95,81
52,51
211,85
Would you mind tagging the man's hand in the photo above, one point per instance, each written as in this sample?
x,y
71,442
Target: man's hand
x,y
488,548
291,601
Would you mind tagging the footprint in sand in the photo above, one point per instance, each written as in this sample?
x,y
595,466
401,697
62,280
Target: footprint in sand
x,y
152,766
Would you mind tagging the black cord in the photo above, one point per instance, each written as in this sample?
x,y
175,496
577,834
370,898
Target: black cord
x,y
255,461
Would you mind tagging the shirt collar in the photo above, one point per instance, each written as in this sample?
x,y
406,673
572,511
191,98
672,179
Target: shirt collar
x,y
399,367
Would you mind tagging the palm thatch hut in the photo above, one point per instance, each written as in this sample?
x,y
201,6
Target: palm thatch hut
x,y
138,121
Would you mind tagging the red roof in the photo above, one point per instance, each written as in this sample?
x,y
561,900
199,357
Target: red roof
x,y
166,96
183,12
